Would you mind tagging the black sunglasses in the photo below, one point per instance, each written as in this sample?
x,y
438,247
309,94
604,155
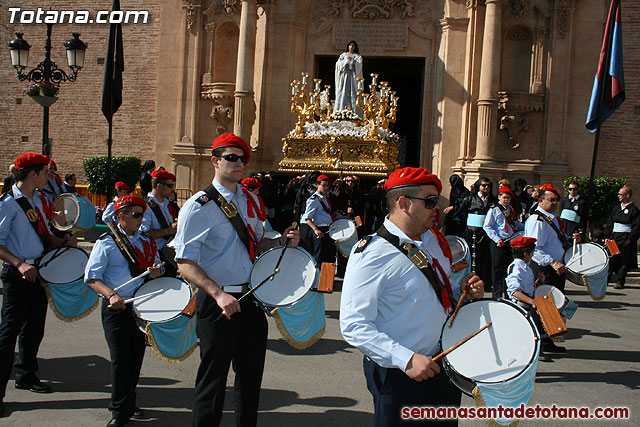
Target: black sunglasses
x,y
573,188
234,158
136,215
168,185
430,202
553,199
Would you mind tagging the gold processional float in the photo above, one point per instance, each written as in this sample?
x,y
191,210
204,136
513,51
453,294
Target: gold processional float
x,y
338,142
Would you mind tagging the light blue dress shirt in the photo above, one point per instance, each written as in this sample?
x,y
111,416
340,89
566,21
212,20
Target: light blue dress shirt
x,y
520,279
548,246
108,264
205,236
388,309
495,222
315,211
109,211
150,222
16,232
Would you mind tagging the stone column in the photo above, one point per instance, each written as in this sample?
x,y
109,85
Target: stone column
x,y
489,81
243,94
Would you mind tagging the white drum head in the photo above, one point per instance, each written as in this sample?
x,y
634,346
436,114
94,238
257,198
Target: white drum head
x,y
594,259
459,248
498,353
298,274
63,265
272,235
66,212
557,295
164,305
342,229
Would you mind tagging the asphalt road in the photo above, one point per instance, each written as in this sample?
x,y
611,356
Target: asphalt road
x,y
324,385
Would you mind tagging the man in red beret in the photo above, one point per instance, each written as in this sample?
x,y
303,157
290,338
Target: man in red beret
x,y
315,223
158,222
396,297
122,189
501,225
219,235
551,243
521,283
108,267
24,237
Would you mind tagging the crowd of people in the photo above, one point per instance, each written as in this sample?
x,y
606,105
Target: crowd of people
x,y
517,236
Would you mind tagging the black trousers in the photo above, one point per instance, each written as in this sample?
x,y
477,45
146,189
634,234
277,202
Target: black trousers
x,y
126,346
323,250
483,254
242,340
392,389
24,311
501,257
551,276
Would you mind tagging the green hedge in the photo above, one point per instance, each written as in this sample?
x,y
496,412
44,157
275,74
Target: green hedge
x,y
125,169
604,197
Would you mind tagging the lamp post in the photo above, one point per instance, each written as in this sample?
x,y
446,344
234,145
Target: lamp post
x,y
47,74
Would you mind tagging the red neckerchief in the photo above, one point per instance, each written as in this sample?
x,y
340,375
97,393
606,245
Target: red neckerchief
x,y
58,179
444,293
147,257
46,205
561,225
42,226
260,211
444,245
173,211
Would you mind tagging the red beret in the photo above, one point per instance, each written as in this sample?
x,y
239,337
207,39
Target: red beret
x,y
506,190
31,159
409,177
163,174
323,178
251,182
55,166
121,185
129,201
523,241
549,187
231,140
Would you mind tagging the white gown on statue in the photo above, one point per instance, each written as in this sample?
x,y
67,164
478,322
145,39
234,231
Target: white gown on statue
x,y
348,68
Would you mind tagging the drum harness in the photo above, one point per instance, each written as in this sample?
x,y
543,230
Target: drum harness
x,y
560,234
32,216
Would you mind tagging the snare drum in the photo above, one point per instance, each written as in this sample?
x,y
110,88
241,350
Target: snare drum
x,y
343,232
63,270
73,211
172,336
589,266
498,355
461,259
558,297
297,275
272,235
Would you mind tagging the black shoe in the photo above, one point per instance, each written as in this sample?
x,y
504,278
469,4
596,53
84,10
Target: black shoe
x,y
37,387
550,347
116,423
542,357
618,286
1,408
138,414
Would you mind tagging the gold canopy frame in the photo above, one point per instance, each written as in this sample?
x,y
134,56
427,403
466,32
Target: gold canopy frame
x,y
320,142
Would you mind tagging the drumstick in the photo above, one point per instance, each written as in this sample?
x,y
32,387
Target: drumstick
x,y
272,275
455,312
575,242
453,347
140,276
128,300
572,260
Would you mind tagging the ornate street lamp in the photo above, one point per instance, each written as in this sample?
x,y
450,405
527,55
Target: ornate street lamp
x,y
47,73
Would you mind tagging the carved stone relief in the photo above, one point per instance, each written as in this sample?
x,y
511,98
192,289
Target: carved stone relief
x,y
191,7
564,12
474,3
223,114
514,125
514,107
324,10
519,8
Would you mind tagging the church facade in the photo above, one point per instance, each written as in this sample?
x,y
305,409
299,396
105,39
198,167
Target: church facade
x,y
496,88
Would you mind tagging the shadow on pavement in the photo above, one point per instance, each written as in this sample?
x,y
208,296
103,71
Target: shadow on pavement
x,y
629,379
322,347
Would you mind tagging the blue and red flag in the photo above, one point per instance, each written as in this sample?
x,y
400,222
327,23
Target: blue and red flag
x,y
608,84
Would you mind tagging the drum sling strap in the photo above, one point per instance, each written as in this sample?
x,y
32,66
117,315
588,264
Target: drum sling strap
x,y
231,212
560,234
420,260
134,267
506,215
32,216
160,215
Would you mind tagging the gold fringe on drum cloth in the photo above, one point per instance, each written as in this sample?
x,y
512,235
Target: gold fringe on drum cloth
x,y
161,355
290,340
340,250
584,280
480,404
62,316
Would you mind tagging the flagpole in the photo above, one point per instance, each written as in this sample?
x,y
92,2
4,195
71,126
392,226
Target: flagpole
x,y
607,63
